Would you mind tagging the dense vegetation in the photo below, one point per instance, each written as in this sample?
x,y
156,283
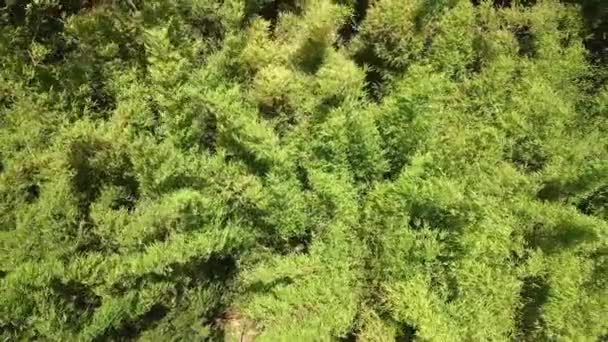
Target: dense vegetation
x,y
304,170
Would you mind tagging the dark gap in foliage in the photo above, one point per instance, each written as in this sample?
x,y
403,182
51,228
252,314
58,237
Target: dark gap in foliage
x,y
250,160
595,40
280,114
528,154
555,190
591,84
101,100
518,257
61,48
350,29
126,201
302,175
526,41
527,3
215,268
452,284
270,10
154,108
210,27
3,274
567,36
71,7
207,23
555,239
406,333
502,3
599,278
88,241
7,99
394,170
84,181
48,26
551,191
46,80
447,278
31,192
269,111
130,184
131,329
427,11
47,19
398,157
534,294
129,49
279,107
284,125
432,216
374,75
126,283
475,65
426,49
328,103
219,269
265,287
251,214
565,41
595,15
76,300
77,294
350,335
208,138
89,178
229,325
12,329
595,203
299,244
216,323
506,3
496,3
311,56
16,12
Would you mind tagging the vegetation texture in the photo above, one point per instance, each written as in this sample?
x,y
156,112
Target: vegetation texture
x,y
303,170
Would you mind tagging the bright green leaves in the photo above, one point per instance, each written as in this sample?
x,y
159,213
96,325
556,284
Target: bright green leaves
x,y
305,296
182,212
279,92
452,50
302,170
166,66
287,213
393,32
314,39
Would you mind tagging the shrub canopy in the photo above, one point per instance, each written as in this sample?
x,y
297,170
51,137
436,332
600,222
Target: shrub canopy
x,y
303,170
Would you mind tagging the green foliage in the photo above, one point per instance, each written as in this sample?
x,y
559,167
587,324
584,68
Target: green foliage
x,y
283,170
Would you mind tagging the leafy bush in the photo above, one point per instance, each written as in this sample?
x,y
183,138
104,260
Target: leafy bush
x,y
303,170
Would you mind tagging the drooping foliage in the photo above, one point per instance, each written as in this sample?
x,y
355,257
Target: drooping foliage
x,y
303,170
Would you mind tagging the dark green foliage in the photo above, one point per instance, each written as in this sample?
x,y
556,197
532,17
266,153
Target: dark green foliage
x,y
303,170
